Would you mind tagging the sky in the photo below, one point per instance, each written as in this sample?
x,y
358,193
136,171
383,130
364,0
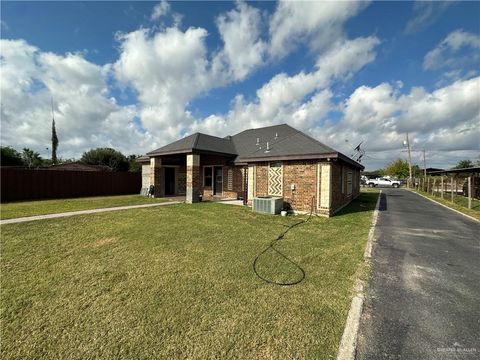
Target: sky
x,y
135,76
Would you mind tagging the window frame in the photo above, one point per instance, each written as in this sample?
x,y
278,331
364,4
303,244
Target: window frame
x,y
205,176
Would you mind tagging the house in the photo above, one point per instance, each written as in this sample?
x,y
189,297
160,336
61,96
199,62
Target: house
x,y
270,161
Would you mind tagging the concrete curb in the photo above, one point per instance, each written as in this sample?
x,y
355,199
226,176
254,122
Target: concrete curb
x,y
448,207
348,344
81,212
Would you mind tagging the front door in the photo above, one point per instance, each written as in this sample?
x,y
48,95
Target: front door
x,y
169,181
218,183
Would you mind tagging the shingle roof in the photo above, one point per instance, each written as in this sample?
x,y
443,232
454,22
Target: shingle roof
x,y
284,142
197,141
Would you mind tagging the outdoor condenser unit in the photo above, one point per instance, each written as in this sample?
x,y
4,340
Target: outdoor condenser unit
x,y
267,204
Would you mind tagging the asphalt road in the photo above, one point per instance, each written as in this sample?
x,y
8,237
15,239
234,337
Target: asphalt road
x,y
423,297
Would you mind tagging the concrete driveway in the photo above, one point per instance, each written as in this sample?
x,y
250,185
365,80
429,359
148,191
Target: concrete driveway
x,y
423,299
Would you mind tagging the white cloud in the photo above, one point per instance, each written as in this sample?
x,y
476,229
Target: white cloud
x,y
445,122
301,99
85,114
425,13
167,69
159,10
240,31
445,54
318,23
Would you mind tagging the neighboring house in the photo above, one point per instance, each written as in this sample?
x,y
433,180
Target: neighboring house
x,y
271,161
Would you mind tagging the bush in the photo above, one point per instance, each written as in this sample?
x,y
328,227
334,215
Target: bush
x,y
110,158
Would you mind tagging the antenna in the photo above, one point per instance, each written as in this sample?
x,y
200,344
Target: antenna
x,y
357,148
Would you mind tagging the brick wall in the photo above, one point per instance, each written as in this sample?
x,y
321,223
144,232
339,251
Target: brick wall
x,y
261,177
303,174
340,196
145,175
236,181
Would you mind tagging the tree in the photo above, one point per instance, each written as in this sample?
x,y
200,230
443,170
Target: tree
x,y
108,157
31,158
10,157
462,164
398,168
54,143
134,165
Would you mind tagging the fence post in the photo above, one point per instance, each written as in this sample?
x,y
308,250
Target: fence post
x,y
442,189
451,188
469,192
428,185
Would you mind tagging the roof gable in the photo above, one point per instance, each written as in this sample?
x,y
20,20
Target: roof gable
x,y
197,141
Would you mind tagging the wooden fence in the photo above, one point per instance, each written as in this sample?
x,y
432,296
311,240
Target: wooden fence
x,y
24,184
450,187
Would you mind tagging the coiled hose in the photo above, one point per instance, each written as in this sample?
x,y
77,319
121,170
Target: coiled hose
x,y
271,247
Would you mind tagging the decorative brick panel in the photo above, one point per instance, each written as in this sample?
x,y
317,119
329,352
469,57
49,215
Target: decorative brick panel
x,y
275,179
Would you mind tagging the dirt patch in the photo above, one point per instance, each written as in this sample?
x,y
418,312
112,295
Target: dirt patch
x,y
101,242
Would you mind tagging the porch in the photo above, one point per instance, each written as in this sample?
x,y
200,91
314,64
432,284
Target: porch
x,y
195,177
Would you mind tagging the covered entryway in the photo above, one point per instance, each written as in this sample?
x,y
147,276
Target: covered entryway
x,y
169,181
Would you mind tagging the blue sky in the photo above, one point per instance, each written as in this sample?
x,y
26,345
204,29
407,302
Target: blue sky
x,y
376,99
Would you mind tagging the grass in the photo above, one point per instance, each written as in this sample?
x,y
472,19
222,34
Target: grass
x,y
42,207
460,203
177,282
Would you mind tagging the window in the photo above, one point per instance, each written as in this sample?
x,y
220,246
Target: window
x,y
349,183
207,176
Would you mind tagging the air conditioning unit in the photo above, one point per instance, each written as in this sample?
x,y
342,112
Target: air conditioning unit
x,y
267,204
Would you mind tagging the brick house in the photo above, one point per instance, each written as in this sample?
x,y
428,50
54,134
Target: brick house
x,y
271,161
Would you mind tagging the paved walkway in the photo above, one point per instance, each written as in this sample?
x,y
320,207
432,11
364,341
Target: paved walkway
x,y
82,212
423,296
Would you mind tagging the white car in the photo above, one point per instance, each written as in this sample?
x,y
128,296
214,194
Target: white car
x,y
383,182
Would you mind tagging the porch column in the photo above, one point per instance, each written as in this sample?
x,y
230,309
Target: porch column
x,y
156,174
193,178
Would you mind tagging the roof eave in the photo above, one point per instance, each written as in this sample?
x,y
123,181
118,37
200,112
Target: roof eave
x,y
317,156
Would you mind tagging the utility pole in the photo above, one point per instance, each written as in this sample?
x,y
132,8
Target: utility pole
x,y
409,162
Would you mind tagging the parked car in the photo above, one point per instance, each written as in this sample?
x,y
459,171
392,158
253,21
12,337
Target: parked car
x,y
383,182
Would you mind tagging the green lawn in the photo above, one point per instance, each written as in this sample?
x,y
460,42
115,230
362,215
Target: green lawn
x,y
42,207
460,203
176,282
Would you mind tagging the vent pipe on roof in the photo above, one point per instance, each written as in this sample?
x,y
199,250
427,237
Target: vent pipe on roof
x,y
276,136
268,148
